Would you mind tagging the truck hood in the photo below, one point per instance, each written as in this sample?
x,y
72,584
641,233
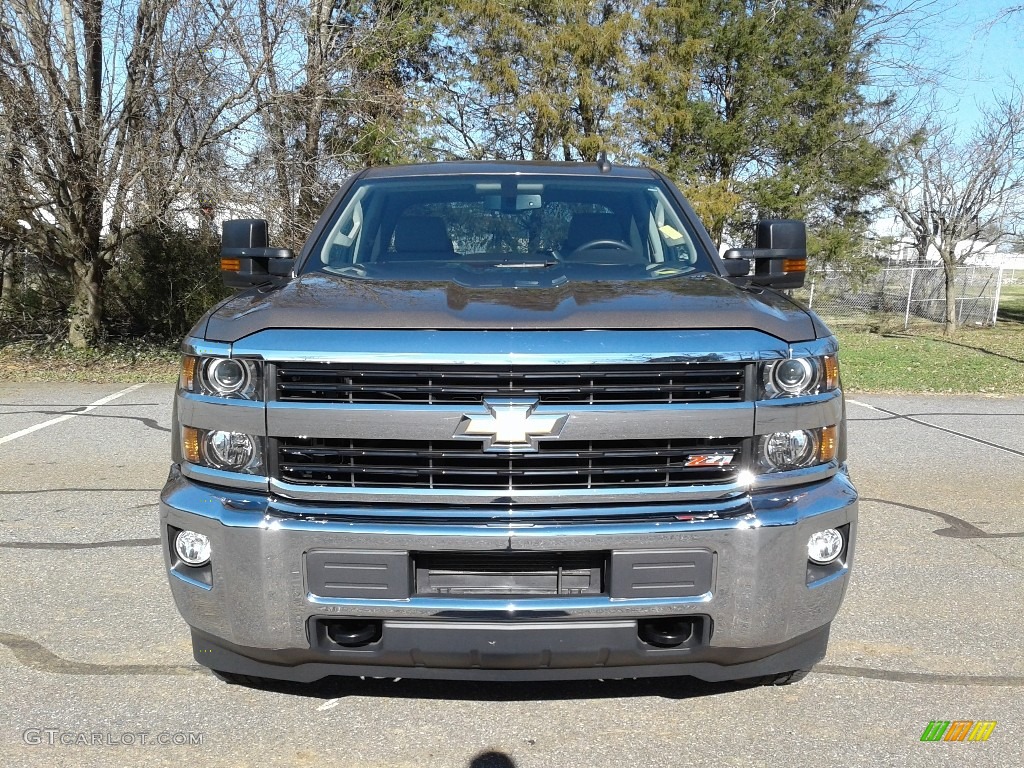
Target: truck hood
x,y
322,301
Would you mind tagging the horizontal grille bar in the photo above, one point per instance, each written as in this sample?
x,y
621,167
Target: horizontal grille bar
x,y
648,383
464,464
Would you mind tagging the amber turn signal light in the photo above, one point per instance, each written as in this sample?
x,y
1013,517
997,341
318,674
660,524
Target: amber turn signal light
x,y
188,372
827,446
230,265
831,372
794,265
190,444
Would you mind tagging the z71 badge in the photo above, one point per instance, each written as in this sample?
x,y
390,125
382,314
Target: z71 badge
x,y
710,460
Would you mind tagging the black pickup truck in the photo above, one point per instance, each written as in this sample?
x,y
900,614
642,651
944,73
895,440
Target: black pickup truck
x,y
509,421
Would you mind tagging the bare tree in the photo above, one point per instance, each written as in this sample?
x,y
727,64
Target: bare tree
x,y
1006,13
113,107
336,101
957,198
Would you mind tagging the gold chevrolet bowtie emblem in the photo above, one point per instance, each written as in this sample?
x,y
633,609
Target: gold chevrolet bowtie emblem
x,y
510,425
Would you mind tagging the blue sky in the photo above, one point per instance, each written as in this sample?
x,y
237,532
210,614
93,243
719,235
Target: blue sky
x,y
983,58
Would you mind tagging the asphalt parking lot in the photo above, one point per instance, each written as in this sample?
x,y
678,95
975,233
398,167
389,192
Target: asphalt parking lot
x,y
96,666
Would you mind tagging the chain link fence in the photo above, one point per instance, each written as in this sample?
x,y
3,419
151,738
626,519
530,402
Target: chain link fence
x,y
903,293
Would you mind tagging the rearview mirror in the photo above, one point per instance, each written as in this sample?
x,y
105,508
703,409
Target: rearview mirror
x,y
512,203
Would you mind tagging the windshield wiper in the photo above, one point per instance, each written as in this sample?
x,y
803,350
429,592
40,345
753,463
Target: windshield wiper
x,y
525,264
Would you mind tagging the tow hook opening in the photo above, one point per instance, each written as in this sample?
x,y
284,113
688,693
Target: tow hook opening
x,y
353,633
667,633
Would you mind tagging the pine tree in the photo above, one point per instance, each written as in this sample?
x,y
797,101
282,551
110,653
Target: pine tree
x,y
756,107
541,79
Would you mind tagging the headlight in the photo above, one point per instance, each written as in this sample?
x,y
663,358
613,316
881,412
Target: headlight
x,y
788,450
230,450
219,449
799,448
230,377
796,376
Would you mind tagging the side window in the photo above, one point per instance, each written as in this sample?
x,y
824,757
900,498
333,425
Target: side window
x,y
669,239
655,221
343,240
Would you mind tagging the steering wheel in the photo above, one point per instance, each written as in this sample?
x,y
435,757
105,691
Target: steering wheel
x,y
602,243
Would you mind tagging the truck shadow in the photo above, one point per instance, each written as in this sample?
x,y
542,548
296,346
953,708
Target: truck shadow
x,y
677,688
492,760
33,655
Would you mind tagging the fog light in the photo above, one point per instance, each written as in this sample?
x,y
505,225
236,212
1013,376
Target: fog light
x,y
824,546
193,548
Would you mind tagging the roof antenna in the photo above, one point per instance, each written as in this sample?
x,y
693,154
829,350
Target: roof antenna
x,y
602,162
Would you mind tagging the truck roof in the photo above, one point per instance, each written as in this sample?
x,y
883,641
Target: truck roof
x,y
492,167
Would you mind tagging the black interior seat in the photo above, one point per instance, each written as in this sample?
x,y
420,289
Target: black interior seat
x,y
421,237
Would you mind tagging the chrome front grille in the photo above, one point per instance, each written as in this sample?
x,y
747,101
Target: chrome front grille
x,y
462,464
650,383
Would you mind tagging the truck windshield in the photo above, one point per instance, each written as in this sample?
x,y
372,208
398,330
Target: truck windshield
x,y
432,228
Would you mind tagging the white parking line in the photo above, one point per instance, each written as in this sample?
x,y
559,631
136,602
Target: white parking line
x,y
913,420
863,405
66,416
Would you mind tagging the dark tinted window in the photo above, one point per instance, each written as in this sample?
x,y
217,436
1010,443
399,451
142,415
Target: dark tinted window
x,y
440,227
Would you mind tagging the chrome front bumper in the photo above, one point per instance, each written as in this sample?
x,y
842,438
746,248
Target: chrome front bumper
x,y
254,598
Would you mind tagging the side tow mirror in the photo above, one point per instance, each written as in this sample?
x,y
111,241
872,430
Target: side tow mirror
x,y
246,259
780,258
736,266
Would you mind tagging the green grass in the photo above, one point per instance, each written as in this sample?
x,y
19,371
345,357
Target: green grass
x,y
110,364
1011,303
986,361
